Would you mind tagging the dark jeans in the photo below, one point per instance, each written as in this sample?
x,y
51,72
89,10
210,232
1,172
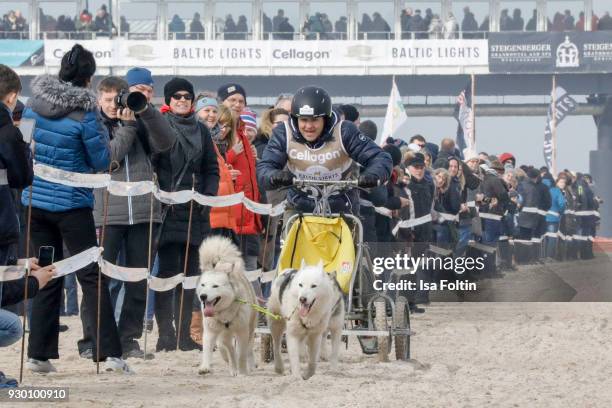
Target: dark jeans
x,y
150,312
464,232
167,304
491,230
551,242
368,222
507,230
76,228
134,240
70,300
443,236
523,250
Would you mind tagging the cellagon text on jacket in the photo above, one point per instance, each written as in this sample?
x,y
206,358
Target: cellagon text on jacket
x,y
307,155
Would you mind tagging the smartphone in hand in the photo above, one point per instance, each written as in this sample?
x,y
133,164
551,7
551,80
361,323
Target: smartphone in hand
x,y
46,255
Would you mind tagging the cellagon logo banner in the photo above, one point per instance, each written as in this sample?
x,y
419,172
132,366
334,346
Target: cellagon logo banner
x,y
550,52
210,54
21,53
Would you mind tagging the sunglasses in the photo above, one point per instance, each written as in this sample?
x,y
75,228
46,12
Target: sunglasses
x,y
178,97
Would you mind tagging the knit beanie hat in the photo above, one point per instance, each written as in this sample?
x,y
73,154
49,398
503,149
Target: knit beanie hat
x,y
249,119
204,102
175,85
139,76
395,153
227,90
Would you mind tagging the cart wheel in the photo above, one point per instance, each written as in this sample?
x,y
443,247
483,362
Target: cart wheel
x,y
380,323
266,348
402,321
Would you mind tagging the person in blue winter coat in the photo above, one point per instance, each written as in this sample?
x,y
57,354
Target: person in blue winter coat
x,y
554,214
67,136
315,145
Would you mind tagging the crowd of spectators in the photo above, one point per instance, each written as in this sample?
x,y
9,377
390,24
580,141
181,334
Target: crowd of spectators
x,y
83,26
13,25
414,24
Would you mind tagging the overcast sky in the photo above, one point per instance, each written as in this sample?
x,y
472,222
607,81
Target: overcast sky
x,y
522,136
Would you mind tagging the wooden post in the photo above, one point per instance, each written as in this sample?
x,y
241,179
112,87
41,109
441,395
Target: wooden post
x,y
553,127
473,107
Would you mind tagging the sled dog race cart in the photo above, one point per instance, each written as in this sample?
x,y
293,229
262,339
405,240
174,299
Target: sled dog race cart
x,y
377,318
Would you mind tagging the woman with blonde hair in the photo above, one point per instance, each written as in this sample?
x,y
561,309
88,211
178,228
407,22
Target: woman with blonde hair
x,y
222,220
270,118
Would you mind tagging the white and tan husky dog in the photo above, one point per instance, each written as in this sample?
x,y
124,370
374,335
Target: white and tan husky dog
x,y
311,305
223,289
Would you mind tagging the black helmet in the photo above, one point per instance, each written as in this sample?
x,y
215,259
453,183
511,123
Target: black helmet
x,y
311,101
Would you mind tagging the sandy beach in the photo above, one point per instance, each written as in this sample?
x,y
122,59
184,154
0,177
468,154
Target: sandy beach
x,y
464,355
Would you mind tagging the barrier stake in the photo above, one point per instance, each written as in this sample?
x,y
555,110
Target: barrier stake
x,y
27,276
180,320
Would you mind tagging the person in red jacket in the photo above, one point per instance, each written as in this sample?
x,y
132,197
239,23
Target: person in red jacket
x,y
241,156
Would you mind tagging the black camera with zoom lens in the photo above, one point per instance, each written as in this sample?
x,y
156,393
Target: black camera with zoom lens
x,y
135,101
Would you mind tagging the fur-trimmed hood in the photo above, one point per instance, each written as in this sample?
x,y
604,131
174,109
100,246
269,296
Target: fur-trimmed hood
x,y
54,99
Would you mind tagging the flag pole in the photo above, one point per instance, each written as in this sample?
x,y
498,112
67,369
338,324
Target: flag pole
x,y
393,86
554,126
473,110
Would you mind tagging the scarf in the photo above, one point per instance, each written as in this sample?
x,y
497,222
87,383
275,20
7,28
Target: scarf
x,y
189,138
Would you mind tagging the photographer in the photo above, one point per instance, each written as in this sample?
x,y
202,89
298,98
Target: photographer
x,y
128,218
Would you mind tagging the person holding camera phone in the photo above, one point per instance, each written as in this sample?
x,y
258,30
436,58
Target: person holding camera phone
x,y
11,293
127,220
69,137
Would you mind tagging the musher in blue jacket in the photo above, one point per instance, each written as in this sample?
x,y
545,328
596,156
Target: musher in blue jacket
x,y
315,145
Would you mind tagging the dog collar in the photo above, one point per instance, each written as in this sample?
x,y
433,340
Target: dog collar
x,y
227,323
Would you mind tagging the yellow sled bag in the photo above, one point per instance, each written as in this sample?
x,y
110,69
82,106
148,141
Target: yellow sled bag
x,y
315,238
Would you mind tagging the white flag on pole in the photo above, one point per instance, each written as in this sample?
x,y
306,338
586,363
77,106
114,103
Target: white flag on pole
x,y
395,116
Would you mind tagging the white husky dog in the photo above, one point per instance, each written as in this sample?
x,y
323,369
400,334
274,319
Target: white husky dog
x,y
311,304
223,288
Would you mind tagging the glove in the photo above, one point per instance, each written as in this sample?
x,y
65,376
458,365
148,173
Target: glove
x,y
368,180
281,178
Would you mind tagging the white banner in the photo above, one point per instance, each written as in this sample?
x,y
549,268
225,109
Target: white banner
x,y
165,284
381,53
12,272
122,273
77,262
123,188
68,178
